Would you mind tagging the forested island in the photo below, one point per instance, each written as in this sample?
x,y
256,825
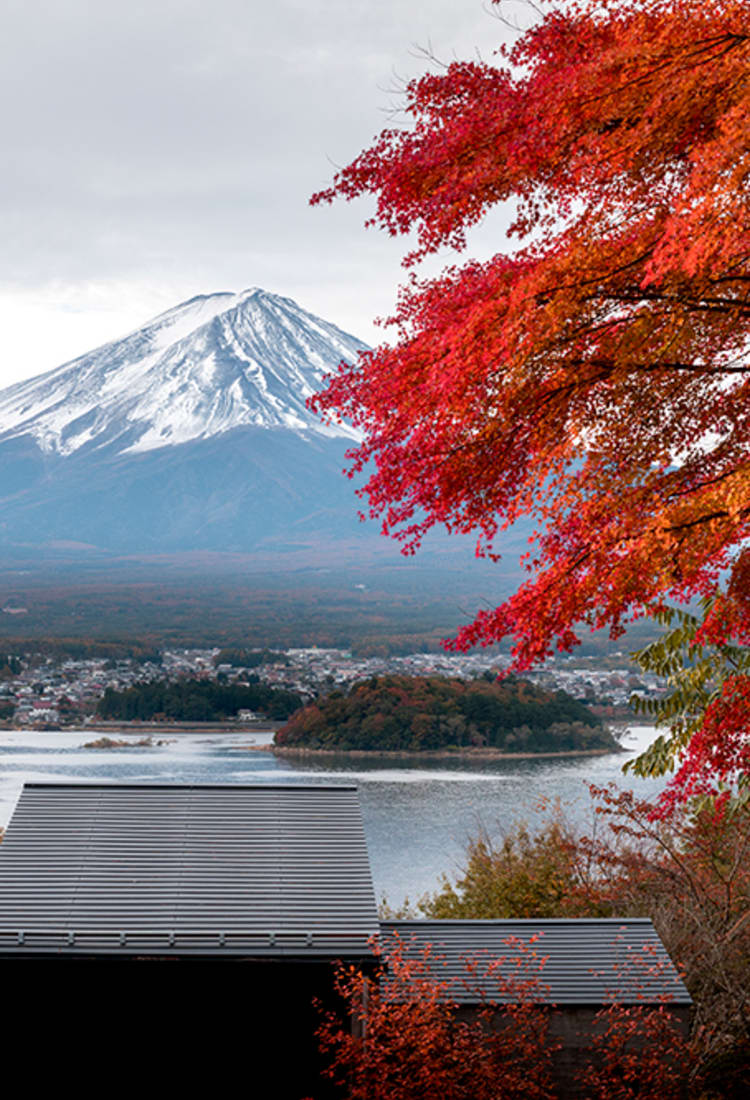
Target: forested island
x,y
428,713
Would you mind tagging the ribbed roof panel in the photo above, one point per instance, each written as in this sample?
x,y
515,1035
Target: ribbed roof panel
x,y
265,870
567,961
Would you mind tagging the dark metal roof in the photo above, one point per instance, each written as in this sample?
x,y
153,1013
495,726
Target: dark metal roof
x,y
186,870
571,961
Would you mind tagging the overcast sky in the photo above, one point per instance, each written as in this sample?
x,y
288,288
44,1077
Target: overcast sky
x,y
158,149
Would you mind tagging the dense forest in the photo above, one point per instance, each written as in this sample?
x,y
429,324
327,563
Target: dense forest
x,y
80,649
196,701
415,713
148,606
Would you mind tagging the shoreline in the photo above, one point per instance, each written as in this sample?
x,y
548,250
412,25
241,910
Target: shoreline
x,y
467,753
176,727
430,754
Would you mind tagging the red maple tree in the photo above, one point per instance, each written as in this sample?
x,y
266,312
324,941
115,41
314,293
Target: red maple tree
x,y
594,375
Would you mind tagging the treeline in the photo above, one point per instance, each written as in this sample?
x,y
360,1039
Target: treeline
x,y
415,713
80,649
114,612
196,701
10,665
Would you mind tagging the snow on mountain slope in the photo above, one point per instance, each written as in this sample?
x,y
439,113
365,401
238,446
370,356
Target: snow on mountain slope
x,y
210,365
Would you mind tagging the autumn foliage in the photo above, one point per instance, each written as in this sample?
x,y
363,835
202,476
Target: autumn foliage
x,y
410,1041
637,1053
407,1043
690,875
594,374
432,713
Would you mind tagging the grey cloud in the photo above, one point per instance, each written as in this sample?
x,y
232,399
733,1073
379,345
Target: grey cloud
x,y
173,135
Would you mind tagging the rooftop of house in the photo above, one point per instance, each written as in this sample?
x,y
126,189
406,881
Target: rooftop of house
x,y
186,870
273,871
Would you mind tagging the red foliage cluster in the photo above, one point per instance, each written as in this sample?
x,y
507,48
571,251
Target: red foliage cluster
x,y
636,1054
690,875
409,1042
595,377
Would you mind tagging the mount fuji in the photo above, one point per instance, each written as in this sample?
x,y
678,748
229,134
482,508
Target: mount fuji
x,y
191,433
192,436
210,365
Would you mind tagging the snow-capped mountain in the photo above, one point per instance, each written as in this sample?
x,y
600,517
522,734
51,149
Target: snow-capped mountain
x,y
192,434
189,434
210,365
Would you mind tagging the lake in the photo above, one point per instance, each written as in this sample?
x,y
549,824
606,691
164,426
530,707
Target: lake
x,y
418,816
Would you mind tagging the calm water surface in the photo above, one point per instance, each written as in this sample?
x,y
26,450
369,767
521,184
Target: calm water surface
x,y
418,818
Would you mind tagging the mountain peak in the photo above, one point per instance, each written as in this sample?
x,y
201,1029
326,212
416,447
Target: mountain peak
x,y
208,365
